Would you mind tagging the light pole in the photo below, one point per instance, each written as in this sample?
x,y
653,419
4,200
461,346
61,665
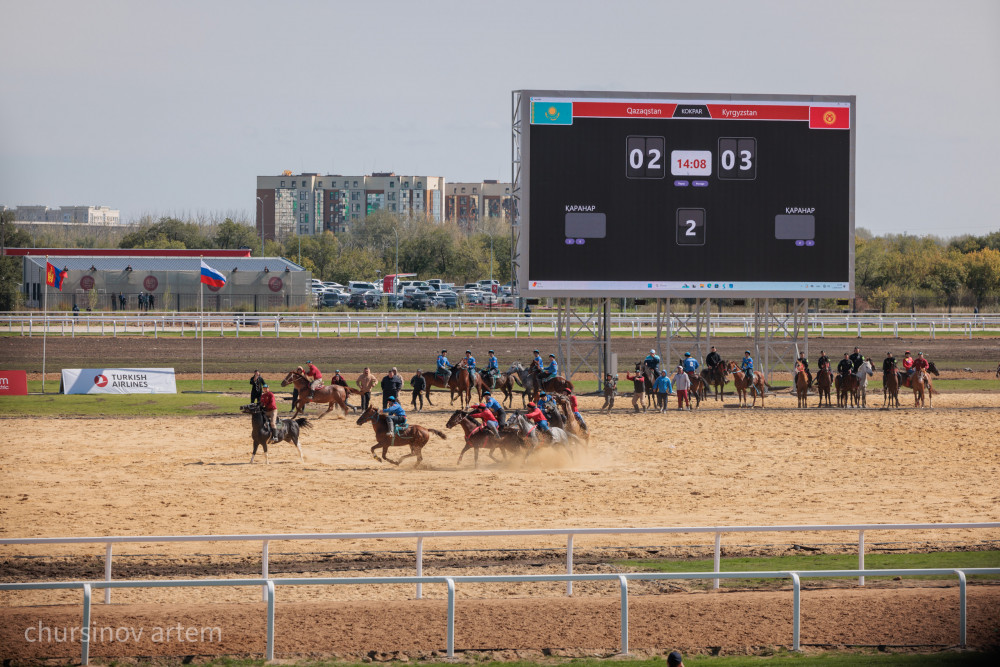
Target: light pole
x,y
262,226
491,275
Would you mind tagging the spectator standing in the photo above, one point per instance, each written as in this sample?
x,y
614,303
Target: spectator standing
x,y
419,384
639,389
387,387
365,383
397,383
610,391
663,389
681,385
256,386
675,659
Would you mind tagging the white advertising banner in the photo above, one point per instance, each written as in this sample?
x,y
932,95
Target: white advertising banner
x,y
118,381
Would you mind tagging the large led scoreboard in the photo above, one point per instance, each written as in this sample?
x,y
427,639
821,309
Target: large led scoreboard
x,y
674,195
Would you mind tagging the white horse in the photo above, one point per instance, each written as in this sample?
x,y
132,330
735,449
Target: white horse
x,y
864,372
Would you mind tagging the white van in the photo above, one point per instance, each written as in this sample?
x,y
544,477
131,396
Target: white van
x,y
357,286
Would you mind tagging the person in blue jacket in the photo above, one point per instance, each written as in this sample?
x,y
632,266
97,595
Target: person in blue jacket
x,y
443,366
663,388
492,371
551,370
395,416
690,365
747,366
495,407
470,363
652,361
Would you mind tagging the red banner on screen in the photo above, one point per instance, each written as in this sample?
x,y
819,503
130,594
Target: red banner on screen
x,y
622,110
13,383
829,118
758,112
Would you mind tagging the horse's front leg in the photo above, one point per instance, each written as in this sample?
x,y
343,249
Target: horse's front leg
x,y
252,455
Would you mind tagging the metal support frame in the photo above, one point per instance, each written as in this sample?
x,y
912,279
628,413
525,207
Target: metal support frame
x,y
515,191
778,337
695,326
583,338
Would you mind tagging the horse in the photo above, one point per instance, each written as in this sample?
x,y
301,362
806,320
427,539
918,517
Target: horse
x,y
458,383
649,382
802,388
476,436
824,380
864,372
288,430
904,378
506,384
572,427
998,371
717,379
755,385
553,385
917,382
847,390
332,394
890,389
414,436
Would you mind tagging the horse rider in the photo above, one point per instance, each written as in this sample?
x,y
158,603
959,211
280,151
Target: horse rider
x,y
690,365
857,359
712,360
575,407
443,366
747,367
907,365
470,363
823,361
395,417
888,364
920,363
537,359
546,402
494,407
805,366
338,379
315,378
652,362
492,371
270,407
537,416
551,370
845,367
256,387
480,411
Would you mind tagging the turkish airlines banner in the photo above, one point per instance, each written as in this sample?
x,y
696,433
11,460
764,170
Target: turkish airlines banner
x,y
118,381
13,383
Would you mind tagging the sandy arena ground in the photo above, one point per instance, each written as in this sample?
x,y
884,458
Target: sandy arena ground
x,y
713,466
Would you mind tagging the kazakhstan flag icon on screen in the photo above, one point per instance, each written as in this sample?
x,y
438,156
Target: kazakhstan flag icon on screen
x,y
551,113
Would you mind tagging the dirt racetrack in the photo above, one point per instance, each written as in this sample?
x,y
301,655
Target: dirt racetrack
x,y
713,466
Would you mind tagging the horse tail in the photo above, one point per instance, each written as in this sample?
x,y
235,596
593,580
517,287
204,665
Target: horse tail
x,y
303,422
438,433
352,390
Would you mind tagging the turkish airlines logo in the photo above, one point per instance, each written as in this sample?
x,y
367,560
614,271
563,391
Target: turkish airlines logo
x,y
100,381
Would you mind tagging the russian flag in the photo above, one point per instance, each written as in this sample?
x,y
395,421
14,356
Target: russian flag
x,y
210,276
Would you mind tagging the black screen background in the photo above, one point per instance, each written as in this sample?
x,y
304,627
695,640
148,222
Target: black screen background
x,y
584,164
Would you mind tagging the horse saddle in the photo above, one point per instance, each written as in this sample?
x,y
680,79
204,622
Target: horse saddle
x,y
401,429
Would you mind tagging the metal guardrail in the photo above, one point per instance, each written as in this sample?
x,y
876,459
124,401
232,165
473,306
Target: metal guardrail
x,y
479,324
450,582
420,536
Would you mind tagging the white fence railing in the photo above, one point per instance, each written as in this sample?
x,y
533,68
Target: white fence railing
x,y
420,536
479,325
623,579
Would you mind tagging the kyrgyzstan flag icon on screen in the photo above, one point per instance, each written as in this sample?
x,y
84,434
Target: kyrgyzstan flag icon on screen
x,y
829,118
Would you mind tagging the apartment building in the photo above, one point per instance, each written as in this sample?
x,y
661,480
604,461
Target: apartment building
x,y
87,215
466,203
310,203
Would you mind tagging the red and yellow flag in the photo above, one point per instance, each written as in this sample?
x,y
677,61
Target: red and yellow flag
x,y
54,277
829,118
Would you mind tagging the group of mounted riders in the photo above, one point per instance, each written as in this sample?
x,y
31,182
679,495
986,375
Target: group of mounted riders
x,y
852,369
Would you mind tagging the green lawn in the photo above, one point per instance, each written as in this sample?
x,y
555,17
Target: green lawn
x,y
873,561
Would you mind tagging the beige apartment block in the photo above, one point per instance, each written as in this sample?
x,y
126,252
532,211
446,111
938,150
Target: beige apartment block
x,y
467,203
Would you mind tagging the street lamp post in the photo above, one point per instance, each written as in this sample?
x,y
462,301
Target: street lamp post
x,y
491,274
262,226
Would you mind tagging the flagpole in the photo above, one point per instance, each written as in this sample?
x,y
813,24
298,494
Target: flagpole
x,y
201,307
45,328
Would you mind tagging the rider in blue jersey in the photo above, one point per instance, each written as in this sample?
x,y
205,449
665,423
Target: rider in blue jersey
x,y
538,359
495,407
690,365
492,370
652,361
551,370
395,416
443,366
747,366
470,363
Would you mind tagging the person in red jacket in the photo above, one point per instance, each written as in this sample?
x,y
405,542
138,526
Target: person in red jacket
x,y
537,416
482,412
575,407
270,407
313,374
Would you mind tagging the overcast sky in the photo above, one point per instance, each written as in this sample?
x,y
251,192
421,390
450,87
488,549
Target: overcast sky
x,y
172,107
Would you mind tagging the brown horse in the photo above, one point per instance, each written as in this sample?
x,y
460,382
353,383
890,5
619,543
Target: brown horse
x,y
824,380
716,378
754,385
332,394
415,437
572,426
556,385
847,390
476,436
802,388
458,383
918,381
505,383
890,389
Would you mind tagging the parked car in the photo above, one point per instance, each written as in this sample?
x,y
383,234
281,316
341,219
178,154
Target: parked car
x,y
330,283
449,298
355,286
333,297
403,284
366,299
418,300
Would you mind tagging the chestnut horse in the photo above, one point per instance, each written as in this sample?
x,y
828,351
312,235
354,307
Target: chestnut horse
x,y
824,380
458,382
801,388
717,379
890,389
918,381
476,436
332,394
847,390
415,437
754,385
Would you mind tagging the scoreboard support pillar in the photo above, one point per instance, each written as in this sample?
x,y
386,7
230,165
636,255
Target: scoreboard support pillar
x,y
778,337
695,326
583,337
